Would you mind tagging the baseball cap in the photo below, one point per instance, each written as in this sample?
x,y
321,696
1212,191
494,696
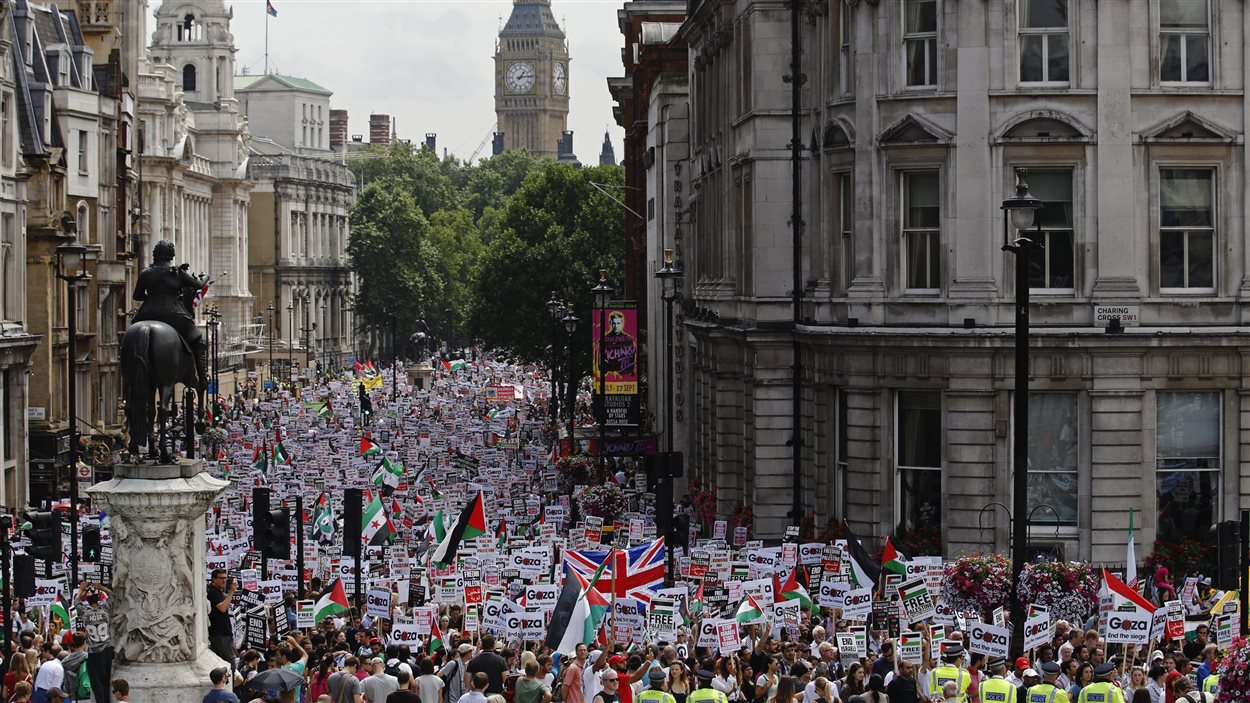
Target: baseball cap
x,y
616,659
1156,656
1029,672
1022,662
464,648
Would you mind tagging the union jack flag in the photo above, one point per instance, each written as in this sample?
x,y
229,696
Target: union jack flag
x,y
639,571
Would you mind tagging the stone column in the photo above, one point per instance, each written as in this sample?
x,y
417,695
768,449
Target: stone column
x,y
160,611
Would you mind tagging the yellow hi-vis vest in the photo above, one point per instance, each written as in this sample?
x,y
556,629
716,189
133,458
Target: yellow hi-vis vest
x,y
939,676
706,695
1101,692
1046,693
997,690
651,695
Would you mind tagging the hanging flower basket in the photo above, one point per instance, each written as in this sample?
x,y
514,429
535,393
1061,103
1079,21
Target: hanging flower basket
x,y
977,583
1234,673
1068,589
574,470
606,501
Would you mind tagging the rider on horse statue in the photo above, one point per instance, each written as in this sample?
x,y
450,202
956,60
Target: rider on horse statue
x,y
166,292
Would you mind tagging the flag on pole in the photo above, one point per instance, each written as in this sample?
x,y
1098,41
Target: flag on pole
x,y
388,474
269,9
892,559
436,635
1121,593
332,603
279,453
376,526
470,524
61,610
501,534
260,459
864,570
368,448
580,611
749,610
455,365
438,528
325,410
323,520
791,589
1130,568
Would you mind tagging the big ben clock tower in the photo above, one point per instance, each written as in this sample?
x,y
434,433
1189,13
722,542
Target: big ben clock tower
x,y
532,79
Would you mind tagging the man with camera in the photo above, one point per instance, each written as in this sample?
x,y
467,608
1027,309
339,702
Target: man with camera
x,y
220,633
92,614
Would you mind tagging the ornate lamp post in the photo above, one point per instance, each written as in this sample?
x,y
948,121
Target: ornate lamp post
x,y
603,297
325,336
570,329
269,317
290,343
71,267
1021,210
670,281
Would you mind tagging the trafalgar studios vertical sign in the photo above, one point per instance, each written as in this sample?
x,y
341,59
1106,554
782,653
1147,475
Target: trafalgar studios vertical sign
x,y
618,362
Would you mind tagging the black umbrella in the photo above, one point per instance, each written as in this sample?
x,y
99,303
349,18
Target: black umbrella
x,y
275,680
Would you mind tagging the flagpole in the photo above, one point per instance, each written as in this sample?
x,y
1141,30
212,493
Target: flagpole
x,y
266,38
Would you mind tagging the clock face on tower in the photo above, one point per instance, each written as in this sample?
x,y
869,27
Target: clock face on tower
x,y
559,80
520,77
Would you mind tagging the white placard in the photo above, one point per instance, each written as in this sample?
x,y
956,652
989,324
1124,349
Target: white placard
x,y
989,640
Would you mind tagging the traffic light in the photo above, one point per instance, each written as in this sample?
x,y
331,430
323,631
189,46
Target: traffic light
x,y
278,543
23,575
1228,549
45,535
260,519
91,543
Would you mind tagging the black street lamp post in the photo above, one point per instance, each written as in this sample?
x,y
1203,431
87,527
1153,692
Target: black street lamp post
x,y
602,297
325,335
213,315
555,309
290,342
1021,210
269,309
670,282
570,329
71,267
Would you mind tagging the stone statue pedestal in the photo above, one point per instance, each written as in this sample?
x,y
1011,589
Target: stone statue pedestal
x,y
419,375
160,602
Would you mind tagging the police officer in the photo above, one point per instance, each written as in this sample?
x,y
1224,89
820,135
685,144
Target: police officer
x,y
166,291
656,694
1047,691
997,689
1211,684
950,671
1101,690
704,693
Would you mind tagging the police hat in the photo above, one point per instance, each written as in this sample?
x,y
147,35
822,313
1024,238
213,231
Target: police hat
x,y
704,675
656,676
952,652
995,663
1049,668
1102,671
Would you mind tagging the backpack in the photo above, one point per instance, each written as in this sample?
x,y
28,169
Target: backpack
x,y
82,689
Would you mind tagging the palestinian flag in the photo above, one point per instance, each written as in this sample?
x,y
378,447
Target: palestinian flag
x,y
470,524
749,611
501,534
332,603
60,609
368,448
376,527
279,454
438,528
323,520
792,590
325,410
388,474
864,570
434,492
436,635
580,610
454,366
892,559
260,459
1122,593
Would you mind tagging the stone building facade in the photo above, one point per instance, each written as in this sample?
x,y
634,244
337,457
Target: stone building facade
x,y
532,79
1130,118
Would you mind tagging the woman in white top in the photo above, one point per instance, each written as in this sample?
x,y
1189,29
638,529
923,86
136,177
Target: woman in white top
x,y
726,679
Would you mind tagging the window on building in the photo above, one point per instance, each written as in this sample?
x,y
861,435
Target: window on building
x,y
918,458
188,78
920,42
6,416
1052,456
1184,41
845,55
921,232
1187,229
1187,464
844,225
83,161
1043,41
1052,268
7,125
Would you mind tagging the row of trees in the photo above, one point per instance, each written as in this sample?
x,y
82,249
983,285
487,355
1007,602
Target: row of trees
x,y
474,250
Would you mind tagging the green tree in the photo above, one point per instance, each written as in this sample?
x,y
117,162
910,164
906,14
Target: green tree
x,y
555,233
392,258
416,170
457,247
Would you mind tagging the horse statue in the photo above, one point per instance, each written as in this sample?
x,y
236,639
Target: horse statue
x,y
154,358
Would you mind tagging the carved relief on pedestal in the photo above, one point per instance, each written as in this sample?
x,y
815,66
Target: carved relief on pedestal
x,y
154,619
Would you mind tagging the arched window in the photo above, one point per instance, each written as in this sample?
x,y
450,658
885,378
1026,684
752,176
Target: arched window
x,y
188,29
188,77
83,221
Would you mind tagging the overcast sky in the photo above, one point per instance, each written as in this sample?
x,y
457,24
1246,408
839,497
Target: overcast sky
x,y
428,63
